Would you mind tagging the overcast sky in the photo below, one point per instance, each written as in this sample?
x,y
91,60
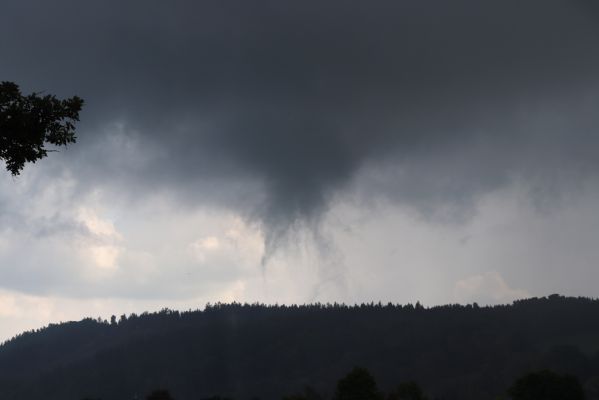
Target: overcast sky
x,y
300,151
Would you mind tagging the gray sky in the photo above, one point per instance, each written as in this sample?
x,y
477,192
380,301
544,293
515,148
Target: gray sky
x,y
303,151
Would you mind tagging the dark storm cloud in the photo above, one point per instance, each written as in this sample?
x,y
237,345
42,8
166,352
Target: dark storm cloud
x,y
296,97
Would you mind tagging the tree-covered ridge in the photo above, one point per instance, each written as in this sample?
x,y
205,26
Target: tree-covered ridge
x,y
242,350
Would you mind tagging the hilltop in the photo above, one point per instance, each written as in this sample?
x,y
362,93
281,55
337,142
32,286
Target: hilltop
x,y
267,351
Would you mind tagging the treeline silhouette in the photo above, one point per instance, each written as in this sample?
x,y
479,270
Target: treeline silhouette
x,y
359,384
244,351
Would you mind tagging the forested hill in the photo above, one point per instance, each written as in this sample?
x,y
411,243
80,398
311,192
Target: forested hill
x,y
246,351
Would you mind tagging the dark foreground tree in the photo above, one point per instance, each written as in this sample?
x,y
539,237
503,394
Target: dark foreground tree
x,y
357,385
546,385
407,391
29,123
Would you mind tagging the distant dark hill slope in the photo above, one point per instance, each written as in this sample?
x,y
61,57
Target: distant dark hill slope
x,y
455,352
